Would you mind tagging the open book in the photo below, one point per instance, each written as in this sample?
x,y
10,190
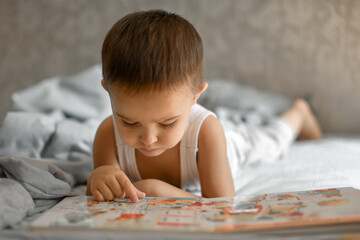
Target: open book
x,y
264,211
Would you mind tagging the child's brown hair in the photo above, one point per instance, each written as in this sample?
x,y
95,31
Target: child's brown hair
x,y
150,50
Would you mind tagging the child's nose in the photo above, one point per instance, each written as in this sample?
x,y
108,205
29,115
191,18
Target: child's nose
x,y
148,137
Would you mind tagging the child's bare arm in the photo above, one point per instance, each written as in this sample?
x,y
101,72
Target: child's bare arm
x,y
105,145
158,188
108,181
214,170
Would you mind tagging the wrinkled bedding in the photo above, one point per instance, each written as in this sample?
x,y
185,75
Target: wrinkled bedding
x,y
46,142
46,146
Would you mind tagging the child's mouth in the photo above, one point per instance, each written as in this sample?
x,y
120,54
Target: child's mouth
x,y
148,150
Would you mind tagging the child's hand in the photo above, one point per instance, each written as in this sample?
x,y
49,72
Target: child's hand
x,y
108,183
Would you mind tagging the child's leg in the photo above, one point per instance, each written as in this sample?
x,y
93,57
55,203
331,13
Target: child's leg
x,y
303,120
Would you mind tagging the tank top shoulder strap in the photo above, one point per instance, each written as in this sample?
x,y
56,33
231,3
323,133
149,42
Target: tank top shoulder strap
x,y
190,180
126,157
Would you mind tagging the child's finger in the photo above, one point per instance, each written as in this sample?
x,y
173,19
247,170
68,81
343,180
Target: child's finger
x,y
106,192
97,195
128,187
130,192
116,188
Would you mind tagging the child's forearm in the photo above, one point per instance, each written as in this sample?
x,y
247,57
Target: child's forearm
x,y
158,188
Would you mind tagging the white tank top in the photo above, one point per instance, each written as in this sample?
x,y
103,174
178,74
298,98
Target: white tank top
x,y
190,180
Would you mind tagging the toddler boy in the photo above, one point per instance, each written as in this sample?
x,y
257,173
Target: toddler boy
x,y
159,141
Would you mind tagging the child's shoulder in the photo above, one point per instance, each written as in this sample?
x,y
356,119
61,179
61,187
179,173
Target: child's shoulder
x,y
202,117
200,112
106,127
210,127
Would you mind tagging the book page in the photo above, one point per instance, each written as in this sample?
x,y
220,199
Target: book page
x,y
240,213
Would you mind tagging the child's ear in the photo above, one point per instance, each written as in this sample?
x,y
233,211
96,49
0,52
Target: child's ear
x,y
103,84
202,89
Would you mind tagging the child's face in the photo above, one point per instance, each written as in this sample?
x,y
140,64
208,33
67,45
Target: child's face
x,y
152,122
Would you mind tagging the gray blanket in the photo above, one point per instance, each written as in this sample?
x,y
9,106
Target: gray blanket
x,y
46,142
29,186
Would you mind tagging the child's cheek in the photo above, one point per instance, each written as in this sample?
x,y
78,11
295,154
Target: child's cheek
x,y
129,137
175,135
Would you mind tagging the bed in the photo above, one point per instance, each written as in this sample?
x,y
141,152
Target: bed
x,y
46,154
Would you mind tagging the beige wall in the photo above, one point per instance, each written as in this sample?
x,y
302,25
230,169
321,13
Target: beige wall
x,y
298,48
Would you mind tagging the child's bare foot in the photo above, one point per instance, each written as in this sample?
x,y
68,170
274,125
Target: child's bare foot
x,y
310,129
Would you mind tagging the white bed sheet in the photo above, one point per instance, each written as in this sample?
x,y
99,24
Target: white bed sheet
x,y
333,161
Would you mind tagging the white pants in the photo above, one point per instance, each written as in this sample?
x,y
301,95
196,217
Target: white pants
x,y
252,144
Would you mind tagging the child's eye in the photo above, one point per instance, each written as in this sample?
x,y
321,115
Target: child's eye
x,y
128,124
170,125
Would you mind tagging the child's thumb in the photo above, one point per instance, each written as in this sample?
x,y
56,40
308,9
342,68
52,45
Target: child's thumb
x,y
139,193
